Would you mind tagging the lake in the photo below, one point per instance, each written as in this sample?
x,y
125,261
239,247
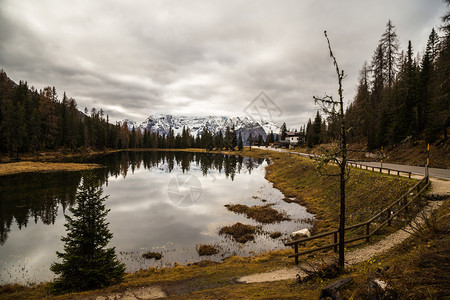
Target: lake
x,y
167,202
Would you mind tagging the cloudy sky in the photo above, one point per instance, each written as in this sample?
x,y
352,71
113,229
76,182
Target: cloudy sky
x,y
136,58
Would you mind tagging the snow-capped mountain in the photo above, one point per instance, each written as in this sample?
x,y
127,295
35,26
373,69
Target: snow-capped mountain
x,y
197,124
130,124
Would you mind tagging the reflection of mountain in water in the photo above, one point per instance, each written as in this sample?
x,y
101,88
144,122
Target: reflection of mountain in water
x,y
37,196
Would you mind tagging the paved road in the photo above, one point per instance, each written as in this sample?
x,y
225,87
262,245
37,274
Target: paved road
x,y
434,172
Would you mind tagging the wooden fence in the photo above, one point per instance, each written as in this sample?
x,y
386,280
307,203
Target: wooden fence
x,y
383,218
373,168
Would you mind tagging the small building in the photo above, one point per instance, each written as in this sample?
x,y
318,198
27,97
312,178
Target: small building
x,y
293,138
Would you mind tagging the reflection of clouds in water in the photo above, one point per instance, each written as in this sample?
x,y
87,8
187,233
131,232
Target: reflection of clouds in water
x,y
200,223
27,255
143,218
213,228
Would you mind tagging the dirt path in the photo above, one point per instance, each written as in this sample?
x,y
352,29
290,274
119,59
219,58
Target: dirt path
x,y
438,187
148,292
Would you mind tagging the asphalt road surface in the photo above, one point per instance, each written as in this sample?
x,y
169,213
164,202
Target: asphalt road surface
x,y
434,172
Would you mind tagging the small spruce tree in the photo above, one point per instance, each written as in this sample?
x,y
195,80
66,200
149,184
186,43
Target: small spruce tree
x,y
240,142
86,262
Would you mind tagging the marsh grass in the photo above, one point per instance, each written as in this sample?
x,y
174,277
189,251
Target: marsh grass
x,y
275,234
204,249
150,255
241,233
263,214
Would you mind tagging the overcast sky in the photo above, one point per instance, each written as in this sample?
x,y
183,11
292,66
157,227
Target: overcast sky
x,y
136,58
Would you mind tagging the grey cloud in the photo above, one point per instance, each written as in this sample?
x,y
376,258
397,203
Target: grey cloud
x,y
209,57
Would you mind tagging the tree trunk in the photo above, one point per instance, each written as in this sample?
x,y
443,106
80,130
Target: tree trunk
x,y
342,177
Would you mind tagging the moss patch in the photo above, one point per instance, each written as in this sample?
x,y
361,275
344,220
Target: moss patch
x,y
241,233
275,234
207,250
263,214
150,255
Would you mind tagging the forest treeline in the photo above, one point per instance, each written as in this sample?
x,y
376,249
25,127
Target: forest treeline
x,y
33,121
400,95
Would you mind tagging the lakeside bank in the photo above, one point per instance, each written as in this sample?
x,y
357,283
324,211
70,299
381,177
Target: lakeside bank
x,y
297,178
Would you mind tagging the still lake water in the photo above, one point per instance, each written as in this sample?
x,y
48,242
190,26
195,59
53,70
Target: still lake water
x,y
167,202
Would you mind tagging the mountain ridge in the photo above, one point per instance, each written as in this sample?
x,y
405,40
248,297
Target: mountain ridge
x,y
245,125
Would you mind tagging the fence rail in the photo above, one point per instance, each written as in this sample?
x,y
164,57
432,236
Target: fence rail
x,y
386,216
389,170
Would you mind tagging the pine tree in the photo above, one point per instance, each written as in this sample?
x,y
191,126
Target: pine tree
x,y
309,134
49,120
240,142
283,130
317,129
228,138
260,140
86,262
218,140
234,141
270,138
390,44
250,141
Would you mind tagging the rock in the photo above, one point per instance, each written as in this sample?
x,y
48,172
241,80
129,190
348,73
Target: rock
x,y
301,233
379,289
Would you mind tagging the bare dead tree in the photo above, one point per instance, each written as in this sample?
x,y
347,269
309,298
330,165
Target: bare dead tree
x,y
338,153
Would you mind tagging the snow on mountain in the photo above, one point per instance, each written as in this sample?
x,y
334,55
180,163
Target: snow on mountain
x,y
130,124
162,123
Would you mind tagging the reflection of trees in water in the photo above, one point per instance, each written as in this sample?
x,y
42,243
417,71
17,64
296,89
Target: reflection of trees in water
x,y
35,197
120,163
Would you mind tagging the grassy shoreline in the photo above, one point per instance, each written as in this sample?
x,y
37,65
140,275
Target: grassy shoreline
x,y
298,179
42,167
51,162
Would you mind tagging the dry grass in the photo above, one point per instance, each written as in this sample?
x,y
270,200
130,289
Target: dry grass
x,y
275,234
207,250
416,269
241,233
150,255
367,192
42,167
263,214
295,177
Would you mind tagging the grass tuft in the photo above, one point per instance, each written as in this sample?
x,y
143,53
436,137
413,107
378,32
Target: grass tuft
x,y
150,255
263,214
241,233
206,250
